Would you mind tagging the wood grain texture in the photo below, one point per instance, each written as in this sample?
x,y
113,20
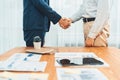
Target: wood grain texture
x,y
110,54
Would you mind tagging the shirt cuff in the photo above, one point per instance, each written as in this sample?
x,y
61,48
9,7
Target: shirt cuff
x,y
56,18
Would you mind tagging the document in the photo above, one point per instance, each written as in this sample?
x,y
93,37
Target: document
x,y
23,62
23,76
75,54
24,57
78,59
80,74
24,66
2,64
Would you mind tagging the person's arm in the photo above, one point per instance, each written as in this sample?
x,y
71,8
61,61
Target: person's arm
x,y
46,10
78,15
101,17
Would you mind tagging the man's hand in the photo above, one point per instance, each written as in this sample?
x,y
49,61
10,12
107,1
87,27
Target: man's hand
x,y
64,23
89,42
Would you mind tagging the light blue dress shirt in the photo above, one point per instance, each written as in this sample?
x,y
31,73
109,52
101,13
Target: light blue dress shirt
x,y
100,9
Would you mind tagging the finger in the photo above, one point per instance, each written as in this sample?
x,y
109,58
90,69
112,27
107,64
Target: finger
x,y
66,27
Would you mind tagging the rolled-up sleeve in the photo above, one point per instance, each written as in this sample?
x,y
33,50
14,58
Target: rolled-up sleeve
x,y
101,18
78,15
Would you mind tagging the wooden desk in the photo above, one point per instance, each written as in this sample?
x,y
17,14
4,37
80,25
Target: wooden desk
x,y
111,55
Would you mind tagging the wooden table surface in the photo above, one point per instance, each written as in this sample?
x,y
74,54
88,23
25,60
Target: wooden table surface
x,y
110,54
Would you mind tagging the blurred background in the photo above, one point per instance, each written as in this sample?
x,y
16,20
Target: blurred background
x,y
11,25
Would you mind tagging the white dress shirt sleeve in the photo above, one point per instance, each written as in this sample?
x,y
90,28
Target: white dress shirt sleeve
x,y
101,17
78,15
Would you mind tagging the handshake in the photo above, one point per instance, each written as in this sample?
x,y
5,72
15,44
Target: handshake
x,y
65,23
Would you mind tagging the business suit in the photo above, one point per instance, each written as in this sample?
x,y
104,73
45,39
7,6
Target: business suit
x,y
36,19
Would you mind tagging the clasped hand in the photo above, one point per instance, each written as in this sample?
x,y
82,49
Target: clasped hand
x,y
89,42
65,23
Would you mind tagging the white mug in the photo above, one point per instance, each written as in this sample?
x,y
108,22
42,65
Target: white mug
x,y
37,45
